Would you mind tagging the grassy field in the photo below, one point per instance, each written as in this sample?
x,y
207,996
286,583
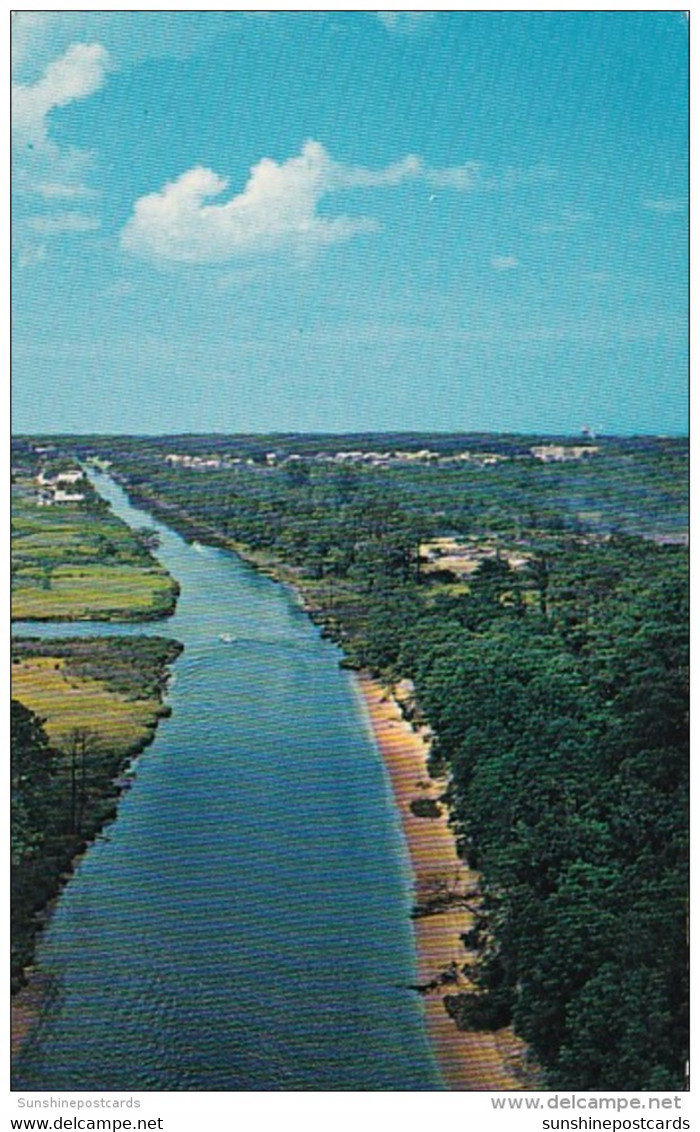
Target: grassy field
x,y
68,703
79,561
94,592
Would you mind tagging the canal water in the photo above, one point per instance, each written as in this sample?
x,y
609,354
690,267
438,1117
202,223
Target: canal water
x,y
244,923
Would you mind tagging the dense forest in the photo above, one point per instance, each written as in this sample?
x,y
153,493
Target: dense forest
x,y
541,610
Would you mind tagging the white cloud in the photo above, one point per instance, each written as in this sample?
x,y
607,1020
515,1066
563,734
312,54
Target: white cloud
x,y
27,29
277,210
32,235
39,37
504,262
31,254
42,167
56,190
405,23
664,205
563,223
79,72
61,222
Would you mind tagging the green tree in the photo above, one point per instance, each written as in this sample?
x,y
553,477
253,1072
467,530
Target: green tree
x,y
32,774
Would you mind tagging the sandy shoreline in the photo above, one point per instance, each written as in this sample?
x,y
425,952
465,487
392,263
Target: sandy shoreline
x,y
468,1061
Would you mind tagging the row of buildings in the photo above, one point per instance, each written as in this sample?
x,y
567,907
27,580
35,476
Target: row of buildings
x,y
546,453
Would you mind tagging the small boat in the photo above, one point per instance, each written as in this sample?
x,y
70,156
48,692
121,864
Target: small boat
x,y
227,638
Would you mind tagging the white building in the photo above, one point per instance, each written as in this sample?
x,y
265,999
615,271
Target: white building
x,y
558,452
60,496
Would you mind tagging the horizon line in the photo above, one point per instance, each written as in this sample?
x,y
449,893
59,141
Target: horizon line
x,y
580,434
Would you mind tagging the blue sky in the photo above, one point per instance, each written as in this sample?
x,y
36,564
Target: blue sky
x,y
348,221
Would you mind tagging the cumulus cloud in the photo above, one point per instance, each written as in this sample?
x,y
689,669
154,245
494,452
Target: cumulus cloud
x,y
277,209
41,166
79,72
504,262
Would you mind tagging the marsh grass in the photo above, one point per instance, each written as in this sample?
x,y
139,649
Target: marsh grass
x,y
100,592
67,703
79,561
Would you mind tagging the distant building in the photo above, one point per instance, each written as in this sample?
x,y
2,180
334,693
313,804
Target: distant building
x,y
549,453
197,462
70,476
60,496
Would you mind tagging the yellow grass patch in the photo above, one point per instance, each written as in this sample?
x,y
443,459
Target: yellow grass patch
x,y
67,703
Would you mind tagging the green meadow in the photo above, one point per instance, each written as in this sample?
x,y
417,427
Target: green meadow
x,y
79,561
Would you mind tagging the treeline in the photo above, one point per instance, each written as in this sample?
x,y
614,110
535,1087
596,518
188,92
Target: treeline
x,y
634,485
566,736
558,694
559,699
62,797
